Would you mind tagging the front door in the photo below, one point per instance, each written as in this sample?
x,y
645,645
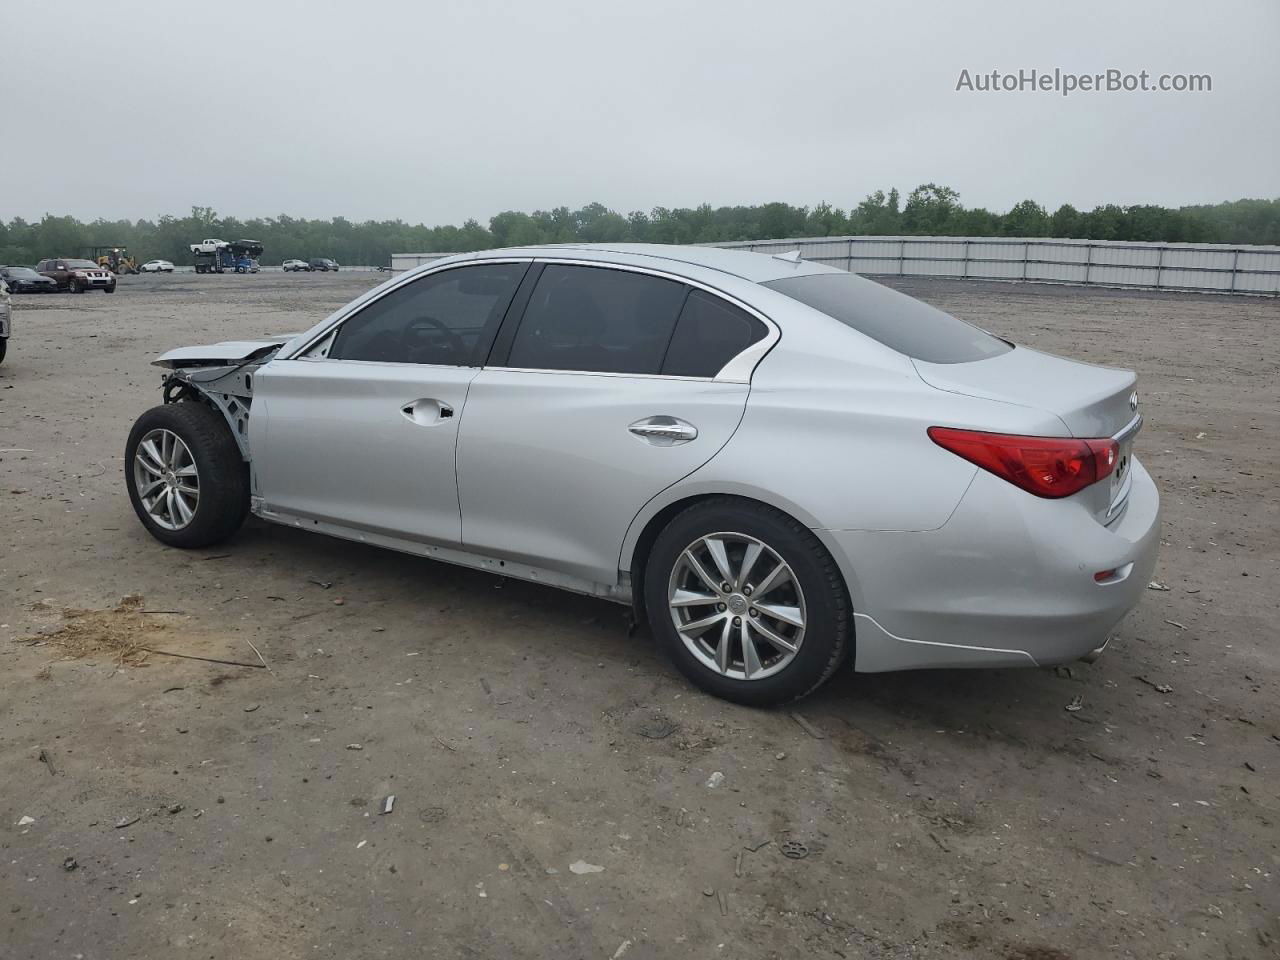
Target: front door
x,y
362,430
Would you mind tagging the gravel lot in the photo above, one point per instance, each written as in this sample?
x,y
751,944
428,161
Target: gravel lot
x,y
550,772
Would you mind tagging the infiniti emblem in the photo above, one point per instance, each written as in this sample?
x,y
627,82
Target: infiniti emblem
x,y
1133,400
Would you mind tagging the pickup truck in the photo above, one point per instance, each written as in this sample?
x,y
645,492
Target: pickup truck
x,y
208,246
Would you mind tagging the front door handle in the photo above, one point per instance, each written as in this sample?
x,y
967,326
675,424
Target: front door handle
x,y
427,411
664,431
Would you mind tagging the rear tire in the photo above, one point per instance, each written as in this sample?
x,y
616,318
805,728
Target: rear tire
x,y
808,591
206,462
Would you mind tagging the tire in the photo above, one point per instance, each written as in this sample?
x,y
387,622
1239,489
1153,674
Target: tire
x,y
110,289
814,593
4,347
221,475
74,287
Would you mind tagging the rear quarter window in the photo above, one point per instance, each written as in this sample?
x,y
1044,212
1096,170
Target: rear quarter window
x,y
901,323
709,333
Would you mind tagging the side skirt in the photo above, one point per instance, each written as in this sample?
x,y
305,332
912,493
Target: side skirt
x,y
617,593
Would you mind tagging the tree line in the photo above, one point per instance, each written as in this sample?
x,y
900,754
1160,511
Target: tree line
x,y
929,210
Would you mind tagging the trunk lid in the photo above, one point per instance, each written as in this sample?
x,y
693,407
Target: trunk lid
x,y
1091,401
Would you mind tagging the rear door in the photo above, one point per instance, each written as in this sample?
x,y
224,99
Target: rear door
x,y
362,429
602,393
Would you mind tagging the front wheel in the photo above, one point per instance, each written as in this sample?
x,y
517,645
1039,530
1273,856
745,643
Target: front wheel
x,y
747,602
186,479
73,286
110,289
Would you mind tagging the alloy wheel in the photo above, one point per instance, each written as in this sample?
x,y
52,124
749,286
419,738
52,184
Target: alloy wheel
x,y
166,478
737,606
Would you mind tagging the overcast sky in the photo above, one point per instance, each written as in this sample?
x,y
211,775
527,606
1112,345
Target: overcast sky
x,y
439,111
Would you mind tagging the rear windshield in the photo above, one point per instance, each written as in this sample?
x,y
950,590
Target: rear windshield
x,y
900,322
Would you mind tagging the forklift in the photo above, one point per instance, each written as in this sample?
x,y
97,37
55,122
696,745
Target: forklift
x,y
113,258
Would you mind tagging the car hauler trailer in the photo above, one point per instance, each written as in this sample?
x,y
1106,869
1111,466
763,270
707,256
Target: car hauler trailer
x,y
237,256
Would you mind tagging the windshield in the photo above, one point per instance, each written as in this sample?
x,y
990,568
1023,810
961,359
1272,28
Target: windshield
x,y
900,322
21,273
81,264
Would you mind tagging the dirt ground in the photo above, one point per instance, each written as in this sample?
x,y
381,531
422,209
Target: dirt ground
x,y
549,771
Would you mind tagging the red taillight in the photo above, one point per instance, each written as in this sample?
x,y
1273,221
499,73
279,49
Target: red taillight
x,y
1045,466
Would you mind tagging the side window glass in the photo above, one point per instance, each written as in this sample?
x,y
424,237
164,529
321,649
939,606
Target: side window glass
x,y
446,318
597,320
711,332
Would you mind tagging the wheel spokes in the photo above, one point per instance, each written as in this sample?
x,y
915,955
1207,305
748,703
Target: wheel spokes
x,y
788,615
723,648
720,557
704,623
166,479
691,598
750,656
696,567
749,558
780,642
738,629
153,460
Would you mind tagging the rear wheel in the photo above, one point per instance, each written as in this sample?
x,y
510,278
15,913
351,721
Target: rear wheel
x,y
186,479
747,602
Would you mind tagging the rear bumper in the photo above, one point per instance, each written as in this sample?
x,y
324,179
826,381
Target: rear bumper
x,y
1007,581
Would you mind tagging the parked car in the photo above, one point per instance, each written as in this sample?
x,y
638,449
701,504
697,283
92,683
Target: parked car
x,y
779,464
157,266
292,266
26,280
207,246
322,264
77,276
6,317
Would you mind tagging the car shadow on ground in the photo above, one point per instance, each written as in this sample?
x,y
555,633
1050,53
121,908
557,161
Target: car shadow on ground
x,y
1000,705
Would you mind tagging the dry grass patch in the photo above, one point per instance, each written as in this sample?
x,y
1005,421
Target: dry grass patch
x,y
125,632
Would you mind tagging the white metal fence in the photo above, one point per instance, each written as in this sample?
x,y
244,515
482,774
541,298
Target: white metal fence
x,y
407,261
1216,268
1210,268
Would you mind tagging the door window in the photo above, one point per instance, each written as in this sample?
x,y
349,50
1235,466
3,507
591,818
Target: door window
x,y
709,334
446,318
597,320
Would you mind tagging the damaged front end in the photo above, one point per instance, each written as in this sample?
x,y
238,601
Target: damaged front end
x,y
220,375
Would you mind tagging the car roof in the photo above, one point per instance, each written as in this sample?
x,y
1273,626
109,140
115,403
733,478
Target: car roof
x,y
755,267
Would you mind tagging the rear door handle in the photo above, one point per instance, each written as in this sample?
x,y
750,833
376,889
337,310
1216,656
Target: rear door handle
x,y
427,411
663,431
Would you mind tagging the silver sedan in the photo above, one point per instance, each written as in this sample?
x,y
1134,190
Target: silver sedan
x,y
784,467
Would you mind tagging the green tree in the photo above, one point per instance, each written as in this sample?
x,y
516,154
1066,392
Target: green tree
x,y
1026,219
930,209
